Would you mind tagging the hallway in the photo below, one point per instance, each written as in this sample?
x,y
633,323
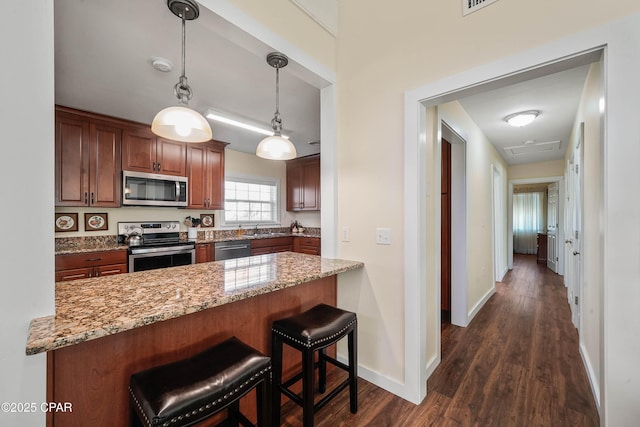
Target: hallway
x,y
517,364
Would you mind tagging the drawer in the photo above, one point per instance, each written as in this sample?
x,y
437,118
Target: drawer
x,y
273,241
309,241
90,259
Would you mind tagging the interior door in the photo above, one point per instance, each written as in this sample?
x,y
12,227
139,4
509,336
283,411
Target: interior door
x,y
576,244
552,226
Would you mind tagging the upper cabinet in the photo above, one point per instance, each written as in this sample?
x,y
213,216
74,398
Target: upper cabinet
x,y
142,151
87,160
303,183
205,170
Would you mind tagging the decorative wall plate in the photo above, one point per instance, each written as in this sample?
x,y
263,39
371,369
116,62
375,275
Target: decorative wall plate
x,y
207,220
66,222
95,221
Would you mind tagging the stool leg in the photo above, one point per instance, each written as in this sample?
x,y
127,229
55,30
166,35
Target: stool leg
x,y
322,370
308,374
233,410
276,380
353,369
263,402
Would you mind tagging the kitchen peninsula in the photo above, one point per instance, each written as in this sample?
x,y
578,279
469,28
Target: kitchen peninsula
x,y
104,329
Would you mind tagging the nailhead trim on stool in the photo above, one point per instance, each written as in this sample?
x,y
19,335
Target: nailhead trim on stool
x,y
191,390
308,332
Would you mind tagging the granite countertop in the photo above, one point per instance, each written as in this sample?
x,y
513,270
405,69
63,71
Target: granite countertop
x,y
109,243
88,309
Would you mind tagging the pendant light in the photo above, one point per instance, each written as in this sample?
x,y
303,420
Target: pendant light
x,y
181,123
276,147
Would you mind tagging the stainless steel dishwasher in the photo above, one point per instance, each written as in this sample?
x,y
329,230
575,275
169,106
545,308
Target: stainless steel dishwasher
x,y
232,249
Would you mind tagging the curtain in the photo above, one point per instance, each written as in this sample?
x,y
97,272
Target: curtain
x,y
528,220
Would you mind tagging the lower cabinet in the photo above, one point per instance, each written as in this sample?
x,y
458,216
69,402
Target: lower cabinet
x,y
271,245
90,264
205,252
307,245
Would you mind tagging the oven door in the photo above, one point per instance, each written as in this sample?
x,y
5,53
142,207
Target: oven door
x,y
161,259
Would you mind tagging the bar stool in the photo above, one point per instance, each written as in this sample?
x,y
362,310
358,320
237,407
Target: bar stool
x,y
311,331
188,391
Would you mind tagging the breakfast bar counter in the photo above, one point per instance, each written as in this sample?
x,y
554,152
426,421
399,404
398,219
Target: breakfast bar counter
x,y
104,329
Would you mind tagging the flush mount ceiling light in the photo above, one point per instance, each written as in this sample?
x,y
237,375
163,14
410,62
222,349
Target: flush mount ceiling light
x,y
522,118
181,123
276,147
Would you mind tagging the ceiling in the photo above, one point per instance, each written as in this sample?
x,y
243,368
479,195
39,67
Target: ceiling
x,y
103,52
556,96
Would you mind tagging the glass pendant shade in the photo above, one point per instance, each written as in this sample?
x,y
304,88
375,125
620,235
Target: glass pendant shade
x,y
181,123
276,148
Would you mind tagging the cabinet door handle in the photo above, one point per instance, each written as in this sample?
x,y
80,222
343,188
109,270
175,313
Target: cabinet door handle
x,y
92,199
158,166
92,259
86,198
155,166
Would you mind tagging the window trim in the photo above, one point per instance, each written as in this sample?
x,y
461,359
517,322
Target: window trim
x,y
260,180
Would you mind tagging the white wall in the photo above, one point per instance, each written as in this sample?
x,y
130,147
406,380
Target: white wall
x,y
386,53
536,170
26,167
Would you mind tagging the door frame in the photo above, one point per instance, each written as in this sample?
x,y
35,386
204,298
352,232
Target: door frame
x,y
500,267
421,289
559,180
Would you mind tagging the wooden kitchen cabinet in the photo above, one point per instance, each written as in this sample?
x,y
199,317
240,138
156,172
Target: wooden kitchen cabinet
x,y
307,245
205,252
303,183
271,245
205,170
90,264
87,160
143,151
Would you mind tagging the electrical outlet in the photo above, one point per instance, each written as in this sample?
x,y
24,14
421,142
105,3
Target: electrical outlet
x,y
383,236
346,233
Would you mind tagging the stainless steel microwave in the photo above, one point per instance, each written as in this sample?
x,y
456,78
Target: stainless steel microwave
x,y
152,189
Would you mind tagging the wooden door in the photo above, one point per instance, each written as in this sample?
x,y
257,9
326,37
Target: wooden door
x,y
71,160
445,230
171,157
105,165
139,150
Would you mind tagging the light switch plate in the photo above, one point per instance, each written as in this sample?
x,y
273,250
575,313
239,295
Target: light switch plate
x,y
383,236
346,233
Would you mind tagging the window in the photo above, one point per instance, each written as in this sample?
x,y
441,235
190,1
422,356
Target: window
x,y
528,220
251,201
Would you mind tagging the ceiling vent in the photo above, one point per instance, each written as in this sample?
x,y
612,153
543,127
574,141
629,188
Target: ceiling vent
x,y
469,6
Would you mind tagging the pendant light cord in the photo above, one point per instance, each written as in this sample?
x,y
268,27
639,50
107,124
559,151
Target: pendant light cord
x,y
182,89
276,122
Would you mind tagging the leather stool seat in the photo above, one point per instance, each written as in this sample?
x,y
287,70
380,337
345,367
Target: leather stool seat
x,y
310,332
185,392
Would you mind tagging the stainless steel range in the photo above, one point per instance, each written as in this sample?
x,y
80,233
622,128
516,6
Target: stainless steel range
x,y
160,246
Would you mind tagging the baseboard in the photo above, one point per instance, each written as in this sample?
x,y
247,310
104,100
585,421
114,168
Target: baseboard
x,y
432,364
593,381
379,380
480,304
504,273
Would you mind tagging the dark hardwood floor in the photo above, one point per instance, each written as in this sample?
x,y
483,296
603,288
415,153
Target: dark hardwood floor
x,y
516,364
